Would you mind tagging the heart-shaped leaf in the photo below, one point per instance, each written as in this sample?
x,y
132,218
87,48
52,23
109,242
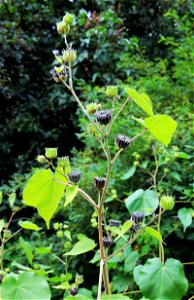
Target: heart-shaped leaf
x,y
84,245
142,100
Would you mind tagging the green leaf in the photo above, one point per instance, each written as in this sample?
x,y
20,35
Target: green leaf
x,y
144,201
157,281
25,286
71,192
1,197
142,100
67,233
124,228
63,286
84,245
185,216
161,127
115,297
130,261
151,231
129,173
27,248
2,222
78,297
44,193
43,250
138,120
28,225
11,199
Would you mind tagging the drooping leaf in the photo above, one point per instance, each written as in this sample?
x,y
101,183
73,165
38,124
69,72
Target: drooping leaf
x,y
142,100
84,245
27,248
129,173
29,225
144,201
157,281
44,192
71,192
185,216
161,127
151,231
25,286
138,120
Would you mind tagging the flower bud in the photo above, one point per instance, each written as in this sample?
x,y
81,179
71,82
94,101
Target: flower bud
x,y
68,19
63,161
75,176
41,159
51,152
137,217
92,107
103,116
167,202
59,234
63,28
122,141
99,182
69,55
112,90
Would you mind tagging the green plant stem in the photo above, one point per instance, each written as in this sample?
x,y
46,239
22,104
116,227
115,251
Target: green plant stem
x,y
116,156
100,280
188,263
161,248
132,292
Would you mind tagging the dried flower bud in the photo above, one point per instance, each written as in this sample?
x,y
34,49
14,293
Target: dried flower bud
x,y
92,107
41,159
99,182
68,19
63,161
103,116
51,152
107,241
73,291
112,90
55,75
114,223
137,217
122,141
134,228
75,176
167,202
69,55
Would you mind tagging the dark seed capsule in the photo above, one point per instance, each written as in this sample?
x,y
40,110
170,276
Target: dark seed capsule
x,y
114,223
137,217
75,176
134,228
99,182
103,116
122,141
73,291
107,241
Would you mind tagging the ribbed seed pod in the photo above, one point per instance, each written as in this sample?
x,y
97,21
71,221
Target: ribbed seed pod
x,y
122,141
75,176
137,217
99,182
103,116
107,241
114,223
73,291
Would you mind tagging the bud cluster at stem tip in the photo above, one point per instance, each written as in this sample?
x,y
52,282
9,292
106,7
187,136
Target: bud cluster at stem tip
x,y
63,27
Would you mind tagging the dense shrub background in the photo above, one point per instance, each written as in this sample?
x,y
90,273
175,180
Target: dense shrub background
x,y
146,44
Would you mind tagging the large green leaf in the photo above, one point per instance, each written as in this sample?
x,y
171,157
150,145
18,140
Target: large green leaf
x,y
142,100
185,216
26,286
44,192
84,245
144,201
157,281
161,127
70,193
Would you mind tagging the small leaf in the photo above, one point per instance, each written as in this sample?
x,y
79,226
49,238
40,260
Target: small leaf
x,y
161,127
185,216
115,297
29,225
142,100
124,228
43,250
2,223
67,233
11,199
151,231
27,248
1,197
71,192
63,286
129,173
84,245
140,121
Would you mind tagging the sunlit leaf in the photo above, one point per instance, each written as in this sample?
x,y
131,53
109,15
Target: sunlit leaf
x,y
185,216
84,245
71,192
151,231
29,225
142,100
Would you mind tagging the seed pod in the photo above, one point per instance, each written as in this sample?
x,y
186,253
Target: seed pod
x,y
134,228
167,202
63,161
68,18
103,116
114,223
107,241
99,182
137,217
69,55
73,290
122,141
51,152
112,90
75,176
